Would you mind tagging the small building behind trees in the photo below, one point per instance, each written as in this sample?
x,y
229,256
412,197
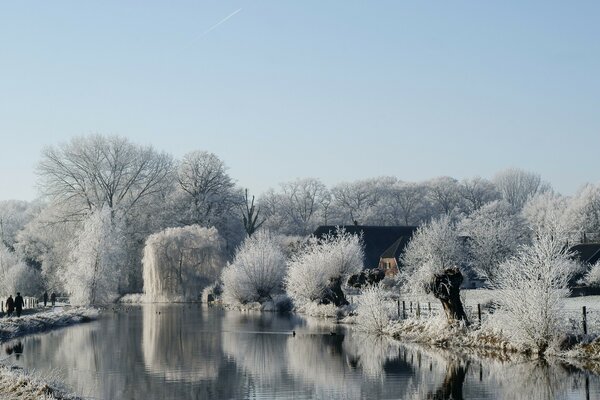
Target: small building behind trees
x,y
383,245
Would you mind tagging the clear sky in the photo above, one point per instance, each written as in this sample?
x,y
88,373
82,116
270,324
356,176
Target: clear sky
x,y
338,90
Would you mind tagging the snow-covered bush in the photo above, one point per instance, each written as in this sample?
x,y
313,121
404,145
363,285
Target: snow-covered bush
x,y
257,271
531,287
179,262
374,310
321,263
16,276
592,277
93,271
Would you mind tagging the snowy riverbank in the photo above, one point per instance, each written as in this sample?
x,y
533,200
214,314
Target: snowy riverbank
x,y
18,384
11,328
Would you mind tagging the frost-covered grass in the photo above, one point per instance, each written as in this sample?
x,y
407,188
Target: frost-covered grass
x,y
18,384
14,327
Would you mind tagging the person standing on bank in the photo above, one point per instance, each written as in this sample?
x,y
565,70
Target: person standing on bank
x,y
45,298
53,298
10,305
19,304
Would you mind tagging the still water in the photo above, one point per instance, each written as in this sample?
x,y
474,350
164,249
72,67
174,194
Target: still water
x,y
196,352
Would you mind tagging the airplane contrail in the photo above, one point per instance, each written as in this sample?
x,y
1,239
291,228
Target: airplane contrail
x,y
215,26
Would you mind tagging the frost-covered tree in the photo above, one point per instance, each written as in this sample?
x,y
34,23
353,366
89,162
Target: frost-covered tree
x,y
518,186
16,276
209,192
403,203
374,310
444,194
14,215
94,269
297,208
493,234
432,261
318,270
45,243
547,213
584,211
477,192
257,271
354,202
531,287
179,262
94,171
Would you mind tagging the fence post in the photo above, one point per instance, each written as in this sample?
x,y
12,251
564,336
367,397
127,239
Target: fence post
x,y
418,310
403,309
479,312
584,321
429,307
398,307
411,308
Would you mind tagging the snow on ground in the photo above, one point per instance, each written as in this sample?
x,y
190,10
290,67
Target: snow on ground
x,y
11,327
17,384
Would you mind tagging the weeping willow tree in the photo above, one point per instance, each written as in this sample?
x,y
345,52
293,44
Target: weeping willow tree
x,y
180,262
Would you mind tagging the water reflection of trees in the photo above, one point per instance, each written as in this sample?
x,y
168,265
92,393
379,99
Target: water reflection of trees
x,y
208,353
174,348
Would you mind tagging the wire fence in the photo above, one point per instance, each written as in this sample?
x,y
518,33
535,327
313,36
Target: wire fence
x,y
579,320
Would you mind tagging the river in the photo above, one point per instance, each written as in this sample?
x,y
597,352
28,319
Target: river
x,y
191,351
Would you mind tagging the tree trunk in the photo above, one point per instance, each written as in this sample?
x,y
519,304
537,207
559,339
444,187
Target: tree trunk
x,y
445,286
334,293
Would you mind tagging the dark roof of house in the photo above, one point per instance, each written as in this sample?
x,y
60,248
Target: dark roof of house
x,y
396,248
586,252
379,241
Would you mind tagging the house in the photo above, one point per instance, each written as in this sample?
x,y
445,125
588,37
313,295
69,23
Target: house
x,y
383,244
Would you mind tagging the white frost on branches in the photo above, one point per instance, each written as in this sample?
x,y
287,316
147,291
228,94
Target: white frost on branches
x,y
531,287
374,310
257,271
433,248
93,271
336,256
16,276
494,233
179,262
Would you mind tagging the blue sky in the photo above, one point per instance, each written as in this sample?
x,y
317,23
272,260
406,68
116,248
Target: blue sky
x,y
336,90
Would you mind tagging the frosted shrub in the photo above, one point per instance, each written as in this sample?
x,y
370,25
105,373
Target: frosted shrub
x,y
92,274
321,262
257,271
592,277
374,310
531,288
179,262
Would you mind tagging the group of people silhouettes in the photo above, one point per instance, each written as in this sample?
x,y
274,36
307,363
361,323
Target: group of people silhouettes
x,y
16,304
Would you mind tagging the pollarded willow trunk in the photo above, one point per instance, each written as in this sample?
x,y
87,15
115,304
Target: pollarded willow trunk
x,y
445,286
334,293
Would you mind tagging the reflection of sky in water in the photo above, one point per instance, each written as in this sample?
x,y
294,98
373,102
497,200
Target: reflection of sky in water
x,y
190,351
